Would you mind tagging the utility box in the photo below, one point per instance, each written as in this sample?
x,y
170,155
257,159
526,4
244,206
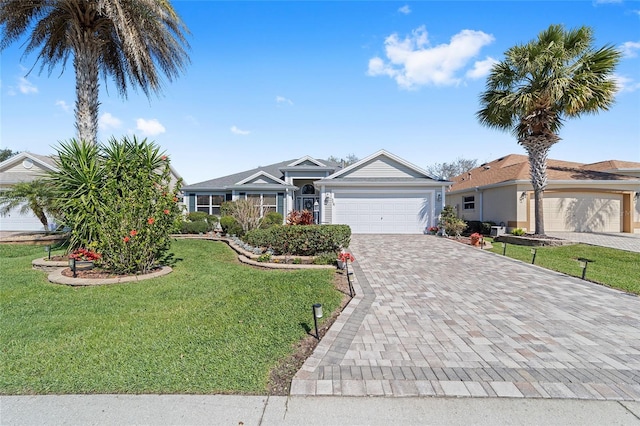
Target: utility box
x,y
496,231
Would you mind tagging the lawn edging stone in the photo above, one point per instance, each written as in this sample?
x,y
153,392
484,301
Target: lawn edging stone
x,y
56,277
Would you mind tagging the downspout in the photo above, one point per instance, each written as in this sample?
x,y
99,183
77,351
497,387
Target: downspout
x,y
480,200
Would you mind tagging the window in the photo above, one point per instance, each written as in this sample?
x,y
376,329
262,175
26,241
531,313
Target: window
x,y
308,189
210,204
469,203
267,202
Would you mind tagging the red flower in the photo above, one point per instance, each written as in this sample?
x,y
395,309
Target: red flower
x,y
133,233
163,158
150,221
166,211
345,256
126,239
175,199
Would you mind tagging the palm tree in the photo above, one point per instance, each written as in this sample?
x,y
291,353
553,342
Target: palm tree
x,y
128,40
539,84
36,196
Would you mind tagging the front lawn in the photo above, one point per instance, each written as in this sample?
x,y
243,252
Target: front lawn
x,y
211,326
615,268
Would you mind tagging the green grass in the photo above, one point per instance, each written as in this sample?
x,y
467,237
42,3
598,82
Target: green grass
x,y
615,268
211,326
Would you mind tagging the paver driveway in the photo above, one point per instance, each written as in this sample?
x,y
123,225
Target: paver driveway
x,y
436,317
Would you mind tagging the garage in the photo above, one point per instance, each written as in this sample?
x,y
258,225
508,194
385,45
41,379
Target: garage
x,y
390,213
581,212
14,221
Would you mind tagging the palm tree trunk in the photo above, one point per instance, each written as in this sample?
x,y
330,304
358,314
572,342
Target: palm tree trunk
x,y
537,149
86,67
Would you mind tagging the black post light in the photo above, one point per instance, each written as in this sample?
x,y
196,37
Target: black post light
x,y
504,249
48,250
583,264
533,252
317,313
72,265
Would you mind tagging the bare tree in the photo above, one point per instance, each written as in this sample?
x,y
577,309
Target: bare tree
x,y
447,171
347,161
247,213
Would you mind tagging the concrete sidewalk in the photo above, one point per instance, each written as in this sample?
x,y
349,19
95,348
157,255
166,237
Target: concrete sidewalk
x,y
263,410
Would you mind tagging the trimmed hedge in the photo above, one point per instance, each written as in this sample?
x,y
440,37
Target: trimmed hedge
x,y
483,228
301,240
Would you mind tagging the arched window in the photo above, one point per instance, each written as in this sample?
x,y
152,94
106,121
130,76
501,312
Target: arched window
x,y
308,189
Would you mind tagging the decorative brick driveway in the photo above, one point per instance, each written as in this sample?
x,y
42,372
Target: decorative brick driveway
x,y
435,317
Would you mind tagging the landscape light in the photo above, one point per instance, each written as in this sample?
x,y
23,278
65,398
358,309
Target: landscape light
x,y
72,265
533,252
317,313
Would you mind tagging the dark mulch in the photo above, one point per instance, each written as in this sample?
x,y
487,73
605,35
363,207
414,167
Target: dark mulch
x,y
95,273
282,374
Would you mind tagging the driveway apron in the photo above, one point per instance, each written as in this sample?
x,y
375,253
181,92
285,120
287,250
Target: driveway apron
x,y
434,317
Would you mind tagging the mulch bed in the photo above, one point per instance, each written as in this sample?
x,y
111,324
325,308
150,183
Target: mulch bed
x,y
281,375
96,273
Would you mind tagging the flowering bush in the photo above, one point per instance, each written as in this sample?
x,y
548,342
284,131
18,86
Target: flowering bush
x,y
84,254
132,203
475,238
296,217
346,256
433,229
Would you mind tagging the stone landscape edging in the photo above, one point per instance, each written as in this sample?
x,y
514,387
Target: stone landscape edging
x,y
56,277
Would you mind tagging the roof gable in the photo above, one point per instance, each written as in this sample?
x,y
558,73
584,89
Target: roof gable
x,y
261,177
381,164
306,161
16,162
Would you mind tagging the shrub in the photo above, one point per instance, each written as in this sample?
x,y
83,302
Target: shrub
x,y
231,226
450,222
264,258
301,240
326,258
246,213
198,227
519,232
120,201
296,217
198,222
271,219
483,228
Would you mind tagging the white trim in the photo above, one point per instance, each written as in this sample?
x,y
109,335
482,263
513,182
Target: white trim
x,y
24,155
577,184
261,173
306,158
381,153
396,184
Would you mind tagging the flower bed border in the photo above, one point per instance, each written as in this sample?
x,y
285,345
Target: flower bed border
x,y
56,277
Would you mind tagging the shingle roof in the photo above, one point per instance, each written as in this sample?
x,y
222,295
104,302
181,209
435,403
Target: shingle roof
x,y
514,167
224,182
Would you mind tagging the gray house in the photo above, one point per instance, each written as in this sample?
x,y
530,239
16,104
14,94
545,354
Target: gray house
x,y
381,193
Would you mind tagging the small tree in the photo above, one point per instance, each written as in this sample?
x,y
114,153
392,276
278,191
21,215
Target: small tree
x,y
36,196
247,213
6,153
450,222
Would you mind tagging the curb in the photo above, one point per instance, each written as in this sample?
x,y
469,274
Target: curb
x,y
56,277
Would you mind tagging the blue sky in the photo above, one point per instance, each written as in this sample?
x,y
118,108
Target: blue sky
x,y
275,80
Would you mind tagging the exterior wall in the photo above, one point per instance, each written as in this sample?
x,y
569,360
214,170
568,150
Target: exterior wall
x,y
498,205
382,168
457,202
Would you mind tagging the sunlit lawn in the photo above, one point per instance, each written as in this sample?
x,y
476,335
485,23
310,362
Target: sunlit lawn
x,y
211,326
615,268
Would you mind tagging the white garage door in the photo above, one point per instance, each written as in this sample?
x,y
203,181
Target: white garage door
x,y
581,212
14,221
383,213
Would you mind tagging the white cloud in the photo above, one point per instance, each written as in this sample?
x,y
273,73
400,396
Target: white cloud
x,y
108,121
237,131
149,127
283,100
626,84
413,62
63,105
26,87
405,9
630,49
481,68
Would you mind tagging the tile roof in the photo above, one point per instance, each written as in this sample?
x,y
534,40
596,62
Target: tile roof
x,y
514,167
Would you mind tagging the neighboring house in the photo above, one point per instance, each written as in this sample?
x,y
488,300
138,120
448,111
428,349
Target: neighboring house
x,y
25,167
598,197
382,193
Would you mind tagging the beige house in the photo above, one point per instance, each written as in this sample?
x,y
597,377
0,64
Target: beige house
x,y
598,197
